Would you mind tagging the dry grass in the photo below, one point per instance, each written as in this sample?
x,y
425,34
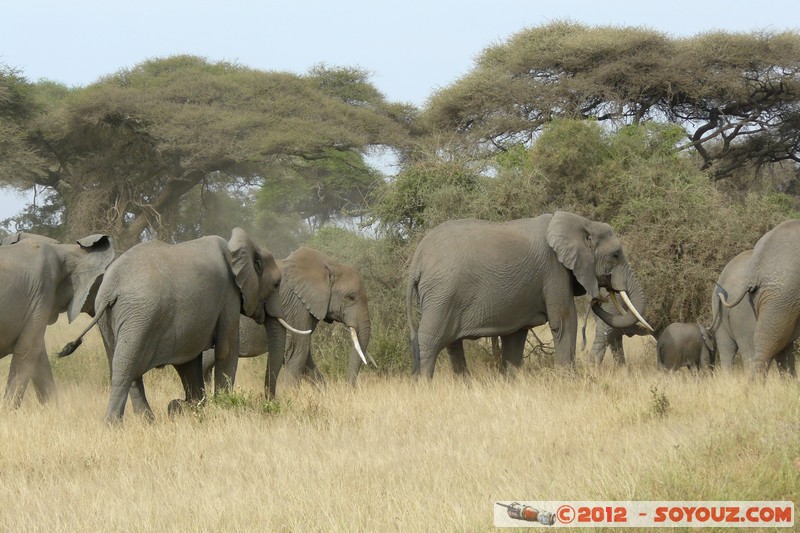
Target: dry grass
x,y
391,454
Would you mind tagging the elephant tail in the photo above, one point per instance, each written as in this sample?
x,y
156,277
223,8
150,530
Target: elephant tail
x,y
719,295
737,297
412,295
72,346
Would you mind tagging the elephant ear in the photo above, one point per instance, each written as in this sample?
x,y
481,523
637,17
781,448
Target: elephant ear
x,y
307,274
572,241
708,339
12,239
247,266
94,255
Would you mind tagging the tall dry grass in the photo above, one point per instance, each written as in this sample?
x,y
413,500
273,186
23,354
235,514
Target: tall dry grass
x,y
391,454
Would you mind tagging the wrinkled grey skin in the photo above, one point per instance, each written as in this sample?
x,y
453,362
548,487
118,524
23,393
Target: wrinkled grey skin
x,y
162,304
685,344
734,328
42,279
14,238
606,336
472,279
314,287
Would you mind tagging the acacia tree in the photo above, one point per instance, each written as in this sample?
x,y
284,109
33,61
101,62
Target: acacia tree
x,y
736,94
125,151
17,108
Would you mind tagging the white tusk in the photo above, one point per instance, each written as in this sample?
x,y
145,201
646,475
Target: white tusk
x,y
293,330
354,336
616,302
634,311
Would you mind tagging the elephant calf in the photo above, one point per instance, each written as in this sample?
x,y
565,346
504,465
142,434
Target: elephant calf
x,y
685,344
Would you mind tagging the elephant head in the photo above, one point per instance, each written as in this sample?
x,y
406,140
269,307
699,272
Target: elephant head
x,y
257,276
594,255
331,291
707,358
86,262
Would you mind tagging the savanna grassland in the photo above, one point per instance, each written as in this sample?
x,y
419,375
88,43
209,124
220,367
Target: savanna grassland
x,y
391,454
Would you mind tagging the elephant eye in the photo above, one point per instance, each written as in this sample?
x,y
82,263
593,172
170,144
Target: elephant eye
x,y
351,297
277,285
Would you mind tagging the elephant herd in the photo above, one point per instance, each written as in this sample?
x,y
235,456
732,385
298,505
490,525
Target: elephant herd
x,y
202,304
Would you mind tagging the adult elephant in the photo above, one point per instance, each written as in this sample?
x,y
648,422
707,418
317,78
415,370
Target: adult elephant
x,y
162,304
472,278
771,282
42,279
314,287
734,328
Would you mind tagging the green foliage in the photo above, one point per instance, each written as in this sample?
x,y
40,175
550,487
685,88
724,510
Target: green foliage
x,y
426,193
331,184
567,152
736,93
18,110
130,146
42,217
659,403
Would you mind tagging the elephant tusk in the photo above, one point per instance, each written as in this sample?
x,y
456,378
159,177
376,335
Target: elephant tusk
x,y
354,336
616,302
293,330
634,311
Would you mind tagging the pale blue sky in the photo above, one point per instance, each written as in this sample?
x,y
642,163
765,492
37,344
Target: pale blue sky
x,y
412,47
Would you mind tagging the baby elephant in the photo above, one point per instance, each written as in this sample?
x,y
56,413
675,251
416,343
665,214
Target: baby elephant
x,y
685,344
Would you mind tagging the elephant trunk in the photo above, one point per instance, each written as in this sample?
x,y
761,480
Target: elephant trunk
x,y
274,309
624,282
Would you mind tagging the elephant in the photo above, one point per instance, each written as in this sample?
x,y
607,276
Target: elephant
x,y
769,276
163,304
685,344
314,287
734,328
42,279
472,278
14,238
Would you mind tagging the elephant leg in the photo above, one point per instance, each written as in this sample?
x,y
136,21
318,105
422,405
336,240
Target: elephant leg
x,y
602,332
617,351
563,321
43,382
208,366
431,343
774,330
786,361
458,360
726,349
17,381
120,386
191,374
139,399
513,350
28,358
226,361
312,373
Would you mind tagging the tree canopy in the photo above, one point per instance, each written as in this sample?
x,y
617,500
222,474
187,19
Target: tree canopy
x,y
736,94
124,152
